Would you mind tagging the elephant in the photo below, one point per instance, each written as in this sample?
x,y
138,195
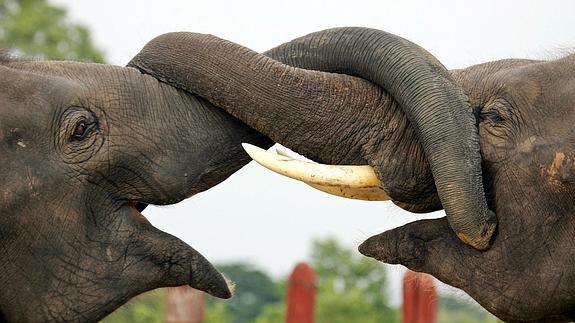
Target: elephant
x,y
521,112
86,147
82,153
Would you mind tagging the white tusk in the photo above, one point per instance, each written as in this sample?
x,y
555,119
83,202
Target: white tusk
x,y
286,152
356,182
356,193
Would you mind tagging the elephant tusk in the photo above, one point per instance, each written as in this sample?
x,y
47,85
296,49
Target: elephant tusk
x,y
355,182
356,193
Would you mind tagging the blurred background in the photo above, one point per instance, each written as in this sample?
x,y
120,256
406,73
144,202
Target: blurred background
x,y
257,225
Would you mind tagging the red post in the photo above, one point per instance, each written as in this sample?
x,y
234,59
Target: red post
x,y
419,298
184,305
301,295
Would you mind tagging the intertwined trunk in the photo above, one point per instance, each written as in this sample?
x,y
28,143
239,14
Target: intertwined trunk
x,y
280,101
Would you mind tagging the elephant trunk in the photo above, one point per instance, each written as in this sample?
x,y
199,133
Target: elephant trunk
x,y
434,104
259,91
292,106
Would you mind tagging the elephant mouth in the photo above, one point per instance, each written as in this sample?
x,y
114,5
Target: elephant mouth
x,y
139,206
136,209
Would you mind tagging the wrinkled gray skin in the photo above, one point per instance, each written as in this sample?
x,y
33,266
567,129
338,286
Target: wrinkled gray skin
x,y
431,101
74,246
522,112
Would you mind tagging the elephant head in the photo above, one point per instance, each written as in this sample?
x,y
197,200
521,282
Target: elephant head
x,y
83,149
496,136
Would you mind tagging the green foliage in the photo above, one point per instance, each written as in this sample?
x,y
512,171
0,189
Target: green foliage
x,y
217,312
272,314
37,28
150,308
350,307
254,290
455,310
351,288
145,308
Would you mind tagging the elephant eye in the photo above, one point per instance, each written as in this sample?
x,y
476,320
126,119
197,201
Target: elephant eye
x,y
492,116
81,130
79,135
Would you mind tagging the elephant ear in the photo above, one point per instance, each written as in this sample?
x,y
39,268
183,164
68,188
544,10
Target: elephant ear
x,y
251,87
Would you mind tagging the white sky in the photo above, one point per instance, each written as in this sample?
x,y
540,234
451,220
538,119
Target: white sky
x,y
256,215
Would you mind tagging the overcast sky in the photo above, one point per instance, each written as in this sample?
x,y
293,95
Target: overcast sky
x,y
256,215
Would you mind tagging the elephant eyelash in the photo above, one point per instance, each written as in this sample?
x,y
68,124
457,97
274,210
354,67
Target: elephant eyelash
x,y
491,116
85,127
79,136
497,112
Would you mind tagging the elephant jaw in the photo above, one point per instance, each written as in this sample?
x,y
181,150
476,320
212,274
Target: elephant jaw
x,y
202,274
354,182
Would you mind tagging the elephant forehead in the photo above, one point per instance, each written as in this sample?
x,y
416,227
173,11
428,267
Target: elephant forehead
x,y
30,99
25,124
